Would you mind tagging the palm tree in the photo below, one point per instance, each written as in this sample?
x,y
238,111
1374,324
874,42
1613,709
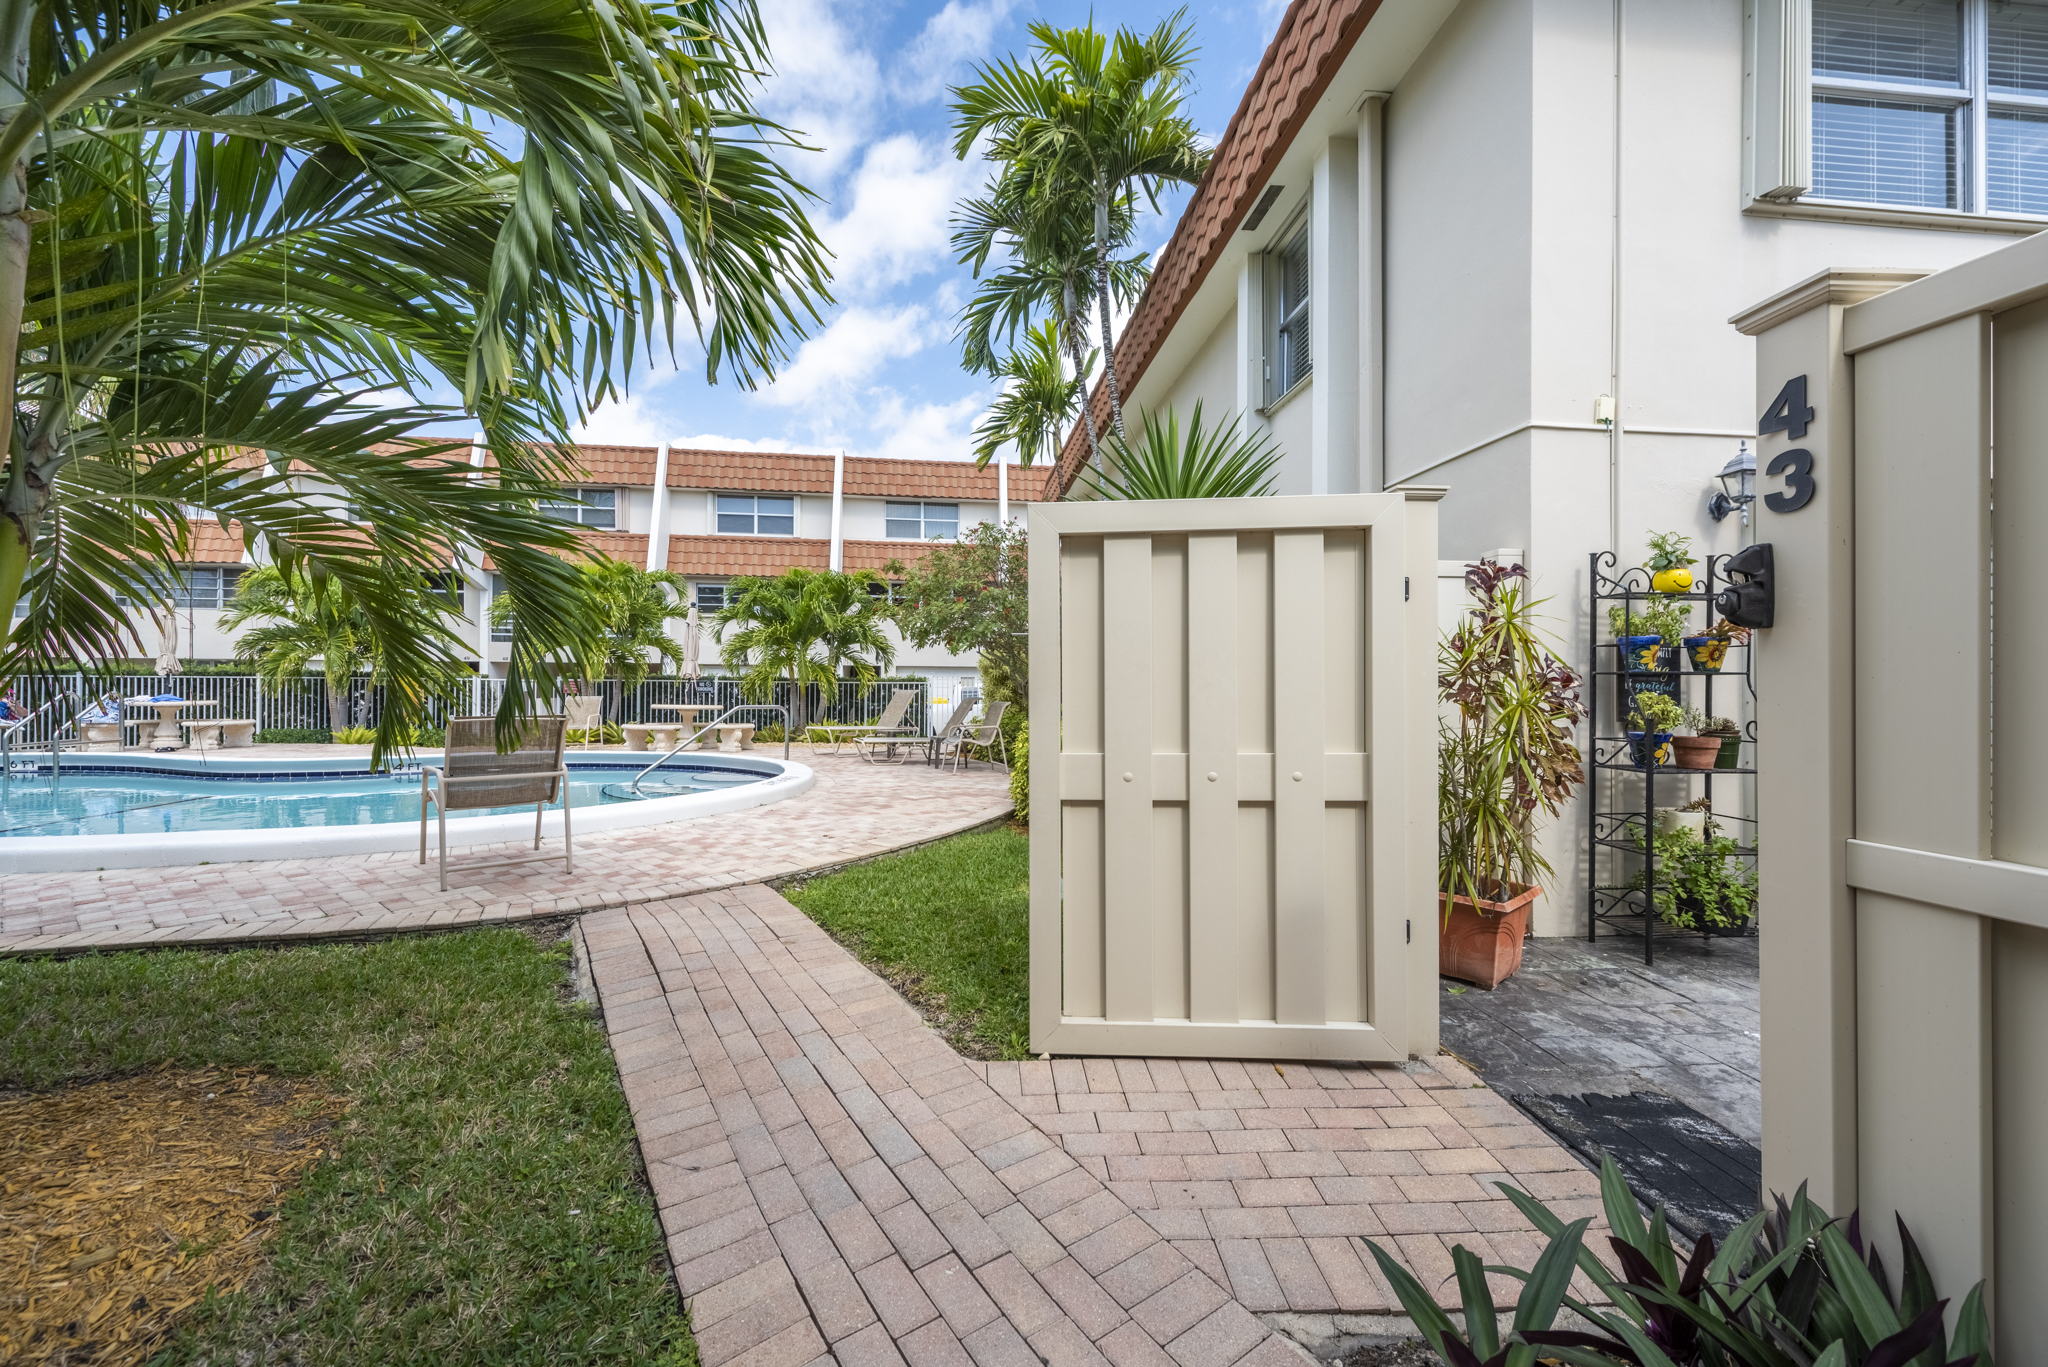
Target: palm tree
x,y
1095,122
1039,399
1205,462
308,622
624,613
805,626
232,232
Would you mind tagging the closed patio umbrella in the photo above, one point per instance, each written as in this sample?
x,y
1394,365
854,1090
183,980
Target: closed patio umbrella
x,y
693,643
167,661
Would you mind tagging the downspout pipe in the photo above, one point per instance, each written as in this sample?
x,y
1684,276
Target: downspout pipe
x,y
837,555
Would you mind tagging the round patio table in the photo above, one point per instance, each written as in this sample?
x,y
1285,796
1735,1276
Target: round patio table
x,y
167,736
686,713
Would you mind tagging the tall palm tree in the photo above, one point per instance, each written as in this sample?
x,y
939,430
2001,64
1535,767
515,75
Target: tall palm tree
x,y
1096,121
231,232
804,626
624,613
1038,400
309,623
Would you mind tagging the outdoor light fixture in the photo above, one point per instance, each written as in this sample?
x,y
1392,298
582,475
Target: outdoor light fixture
x,y
1738,485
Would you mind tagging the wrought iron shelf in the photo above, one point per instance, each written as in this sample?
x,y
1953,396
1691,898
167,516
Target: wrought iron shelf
x,y
1629,910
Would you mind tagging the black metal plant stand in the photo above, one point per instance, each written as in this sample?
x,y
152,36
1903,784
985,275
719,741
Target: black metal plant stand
x,y
1610,902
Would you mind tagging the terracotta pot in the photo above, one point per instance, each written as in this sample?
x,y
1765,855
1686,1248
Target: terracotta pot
x,y
1695,752
1481,943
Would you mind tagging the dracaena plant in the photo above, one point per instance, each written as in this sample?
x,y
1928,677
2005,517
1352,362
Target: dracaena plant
x,y
1506,757
1790,1287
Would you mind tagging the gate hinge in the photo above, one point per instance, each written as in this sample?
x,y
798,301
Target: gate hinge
x,y
1408,932
1404,588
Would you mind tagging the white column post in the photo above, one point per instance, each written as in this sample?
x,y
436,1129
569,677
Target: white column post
x,y
471,568
1002,489
1251,343
657,519
837,558
1372,285
1333,319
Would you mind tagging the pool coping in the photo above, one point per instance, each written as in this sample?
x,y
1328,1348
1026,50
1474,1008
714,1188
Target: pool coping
x,y
184,849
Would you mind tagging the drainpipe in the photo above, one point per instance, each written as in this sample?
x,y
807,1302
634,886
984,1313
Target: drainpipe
x,y
1372,293
657,519
837,558
1002,490
1614,324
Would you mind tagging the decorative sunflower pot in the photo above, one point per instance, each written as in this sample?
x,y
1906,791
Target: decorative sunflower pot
x,y
1649,749
1706,653
1643,654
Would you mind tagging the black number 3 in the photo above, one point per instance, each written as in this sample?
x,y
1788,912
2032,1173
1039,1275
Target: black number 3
x,y
1796,466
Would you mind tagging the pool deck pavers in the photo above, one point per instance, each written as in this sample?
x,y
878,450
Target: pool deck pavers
x,y
837,1184
855,810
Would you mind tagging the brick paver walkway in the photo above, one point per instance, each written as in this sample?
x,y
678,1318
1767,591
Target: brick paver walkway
x,y
837,1184
854,810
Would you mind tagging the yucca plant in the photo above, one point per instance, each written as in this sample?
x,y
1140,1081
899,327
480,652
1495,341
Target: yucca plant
x,y
1202,462
1507,760
1790,1287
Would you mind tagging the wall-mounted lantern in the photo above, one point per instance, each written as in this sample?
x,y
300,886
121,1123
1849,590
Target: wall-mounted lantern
x,y
1738,485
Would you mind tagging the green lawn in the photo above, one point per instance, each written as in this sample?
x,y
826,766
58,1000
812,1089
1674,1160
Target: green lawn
x,y
483,1203
947,924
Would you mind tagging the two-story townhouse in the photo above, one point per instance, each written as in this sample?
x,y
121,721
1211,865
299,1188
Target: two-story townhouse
x,y
708,516
1494,245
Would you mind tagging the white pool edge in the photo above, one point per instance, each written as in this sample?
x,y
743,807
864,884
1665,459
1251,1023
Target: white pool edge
x,y
184,849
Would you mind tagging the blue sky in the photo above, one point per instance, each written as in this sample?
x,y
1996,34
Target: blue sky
x,y
867,85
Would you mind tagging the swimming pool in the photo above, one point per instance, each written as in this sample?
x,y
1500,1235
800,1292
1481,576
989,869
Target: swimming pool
x,y
138,811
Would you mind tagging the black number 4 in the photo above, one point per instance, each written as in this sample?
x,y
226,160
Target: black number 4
x,y
1788,412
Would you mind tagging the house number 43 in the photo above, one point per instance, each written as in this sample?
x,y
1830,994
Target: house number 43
x,y
1790,414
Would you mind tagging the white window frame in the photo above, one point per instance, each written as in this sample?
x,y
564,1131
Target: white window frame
x,y
500,631
923,516
1276,325
796,511
554,506
224,578
697,589
1778,123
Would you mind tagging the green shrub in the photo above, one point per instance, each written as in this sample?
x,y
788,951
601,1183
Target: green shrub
x,y
295,735
355,735
605,733
1020,769
430,735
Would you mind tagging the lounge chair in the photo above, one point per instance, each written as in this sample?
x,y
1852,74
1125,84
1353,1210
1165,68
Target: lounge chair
x,y
585,713
473,774
955,723
987,735
889,722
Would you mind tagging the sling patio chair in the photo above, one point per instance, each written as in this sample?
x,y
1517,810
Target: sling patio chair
x,y
474,774
986,735
888,722
585,713
955,723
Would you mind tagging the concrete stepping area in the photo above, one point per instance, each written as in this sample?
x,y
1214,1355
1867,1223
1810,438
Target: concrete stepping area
x,y
836,1184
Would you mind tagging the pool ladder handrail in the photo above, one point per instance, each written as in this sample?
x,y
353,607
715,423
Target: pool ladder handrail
x,y
713,725
55,742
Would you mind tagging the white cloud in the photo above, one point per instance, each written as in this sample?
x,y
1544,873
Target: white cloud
x,y
621,422
924,431
957,34
896,214
855,345
824,86
716,441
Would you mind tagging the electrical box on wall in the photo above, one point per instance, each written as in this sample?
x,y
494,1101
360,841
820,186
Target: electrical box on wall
x,y
1603,410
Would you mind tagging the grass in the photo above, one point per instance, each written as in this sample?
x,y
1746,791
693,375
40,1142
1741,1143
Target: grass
x,y
483,1203
947,924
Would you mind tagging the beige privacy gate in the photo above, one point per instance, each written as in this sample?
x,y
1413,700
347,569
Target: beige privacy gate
x,y
1904,814
1233,792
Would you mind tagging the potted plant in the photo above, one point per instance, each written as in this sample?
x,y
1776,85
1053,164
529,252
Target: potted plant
x,y
1730,736
1506,763
1647,634
1652,718
1702,882
1709,650
1670,563
1691,817
1694,748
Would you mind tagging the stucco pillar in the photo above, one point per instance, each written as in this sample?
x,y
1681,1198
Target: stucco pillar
x,y
657,515
1805,718
836,556
1333,251
1372,361
1251,343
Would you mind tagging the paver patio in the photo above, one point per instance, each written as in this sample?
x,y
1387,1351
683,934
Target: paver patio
x,y
836,1183
855,810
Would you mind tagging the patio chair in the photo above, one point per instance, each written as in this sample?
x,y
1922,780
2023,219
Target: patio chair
x,y
473,774
888,722
955,723
987,735
585,713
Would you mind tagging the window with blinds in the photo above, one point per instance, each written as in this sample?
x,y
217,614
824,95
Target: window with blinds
x,y
1288,358
1938,104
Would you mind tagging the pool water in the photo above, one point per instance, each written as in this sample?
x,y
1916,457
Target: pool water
x,y
85,802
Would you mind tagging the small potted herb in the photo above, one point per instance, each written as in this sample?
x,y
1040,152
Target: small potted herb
x,y
1691,817
1670,563
1647,634
1730,736
1709,650
1652,718
1695,750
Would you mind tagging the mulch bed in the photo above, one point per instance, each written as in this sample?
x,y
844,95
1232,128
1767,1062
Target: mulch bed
x,y
124,1203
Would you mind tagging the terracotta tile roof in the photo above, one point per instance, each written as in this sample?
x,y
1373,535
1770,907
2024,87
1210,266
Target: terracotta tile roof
x,y
728,555
630,547
770,472
958,479
207,544
623,465
1315,37
873,555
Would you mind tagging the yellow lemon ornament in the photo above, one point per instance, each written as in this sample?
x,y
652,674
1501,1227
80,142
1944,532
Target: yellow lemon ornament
x,y
1676,580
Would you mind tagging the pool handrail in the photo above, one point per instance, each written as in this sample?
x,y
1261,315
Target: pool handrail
x,y
713,725
11,729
